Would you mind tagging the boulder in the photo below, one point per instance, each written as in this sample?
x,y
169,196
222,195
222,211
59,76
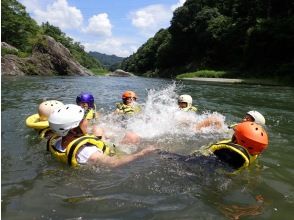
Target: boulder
x,y
9,47
48,57
12,65
121,73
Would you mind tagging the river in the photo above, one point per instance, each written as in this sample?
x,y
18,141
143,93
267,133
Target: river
x,y
36,186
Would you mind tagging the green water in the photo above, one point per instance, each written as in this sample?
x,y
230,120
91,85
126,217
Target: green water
x,y
36,186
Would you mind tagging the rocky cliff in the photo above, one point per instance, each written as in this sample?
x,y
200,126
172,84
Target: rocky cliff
x,y
48,57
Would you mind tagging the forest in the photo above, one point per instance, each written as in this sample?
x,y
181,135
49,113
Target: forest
x,y
246,38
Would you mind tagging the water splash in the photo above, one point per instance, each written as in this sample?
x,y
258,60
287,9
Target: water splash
x,y
162,123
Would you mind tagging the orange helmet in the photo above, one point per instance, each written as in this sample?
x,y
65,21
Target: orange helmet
x,y
129,94
252,136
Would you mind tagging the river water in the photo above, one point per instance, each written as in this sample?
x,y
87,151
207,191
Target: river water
x,y
36,186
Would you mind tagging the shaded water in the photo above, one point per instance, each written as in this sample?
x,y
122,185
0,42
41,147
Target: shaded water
x,y
35,186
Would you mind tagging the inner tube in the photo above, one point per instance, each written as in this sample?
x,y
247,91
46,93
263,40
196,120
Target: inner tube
x,y
33,121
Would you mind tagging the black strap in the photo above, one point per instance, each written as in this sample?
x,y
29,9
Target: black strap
x,y
40,131
48,143
53,146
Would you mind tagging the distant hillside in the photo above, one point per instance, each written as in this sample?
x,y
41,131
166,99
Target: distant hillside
x,y
106,60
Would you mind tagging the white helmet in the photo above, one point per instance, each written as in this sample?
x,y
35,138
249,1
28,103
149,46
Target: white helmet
x,y
62,119
185,98
47,107
258,118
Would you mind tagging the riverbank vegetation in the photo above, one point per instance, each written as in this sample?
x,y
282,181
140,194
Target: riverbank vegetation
x,y
249,38
205,73
22,32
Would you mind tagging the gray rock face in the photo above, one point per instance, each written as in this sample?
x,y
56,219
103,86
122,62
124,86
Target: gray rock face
x,y
9,47
48,58
12,65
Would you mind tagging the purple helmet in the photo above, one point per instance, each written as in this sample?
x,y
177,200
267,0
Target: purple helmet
x,y
87,98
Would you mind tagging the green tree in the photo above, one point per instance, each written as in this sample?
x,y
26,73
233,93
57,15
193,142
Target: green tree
x,y
17,27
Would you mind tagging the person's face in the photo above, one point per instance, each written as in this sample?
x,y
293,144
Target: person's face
x,y
248,118
129,100
182,104
84,105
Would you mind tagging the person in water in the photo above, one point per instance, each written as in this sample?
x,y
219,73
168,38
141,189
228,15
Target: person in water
x,y
128,105
74,147
185,103
44,111
86,101
253,116
247,143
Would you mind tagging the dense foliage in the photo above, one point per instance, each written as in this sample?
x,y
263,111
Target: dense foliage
x,y
250,36
17,27
110,62
21,31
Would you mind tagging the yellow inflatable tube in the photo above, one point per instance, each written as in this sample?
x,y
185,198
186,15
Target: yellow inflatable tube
x,y
33,121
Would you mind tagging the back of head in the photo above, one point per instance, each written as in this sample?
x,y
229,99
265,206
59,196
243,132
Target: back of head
x,y
85,97
252,136
129,94
47,107
65,118
185,98
258,118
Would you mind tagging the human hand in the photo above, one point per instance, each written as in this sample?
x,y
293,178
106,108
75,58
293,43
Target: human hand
x,y
148,150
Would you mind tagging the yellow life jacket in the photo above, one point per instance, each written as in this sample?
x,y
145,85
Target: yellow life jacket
x,y
232,125
69,155
44,132
126,109
233,154
60,155
90,113
189,109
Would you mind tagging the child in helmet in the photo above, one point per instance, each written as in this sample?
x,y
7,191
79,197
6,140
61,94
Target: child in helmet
x,y
86,101
40,121
185,103
73,147
46,108
247,143
252,116
128,105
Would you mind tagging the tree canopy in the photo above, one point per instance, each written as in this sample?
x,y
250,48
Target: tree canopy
x,y
245,35
17,27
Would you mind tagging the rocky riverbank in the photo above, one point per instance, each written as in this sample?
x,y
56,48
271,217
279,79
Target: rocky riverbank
x,y
243,81
120,73
48,57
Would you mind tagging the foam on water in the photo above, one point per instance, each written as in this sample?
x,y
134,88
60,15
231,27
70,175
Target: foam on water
x,y
161,121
